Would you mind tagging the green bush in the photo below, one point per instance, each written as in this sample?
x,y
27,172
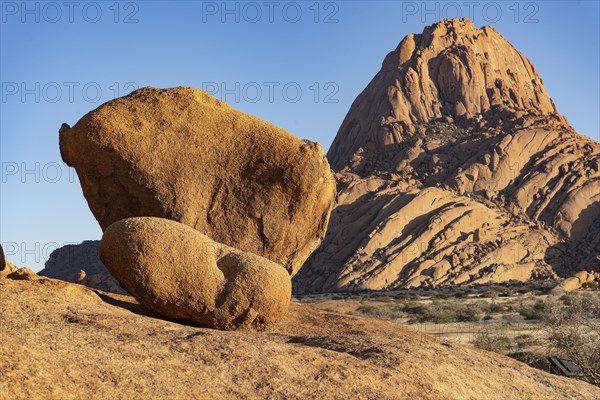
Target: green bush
x,y
467,314
386,311
412,307
367,309
566,299
496,343
406,296
574,330
443,312
497,308
525,340
534,312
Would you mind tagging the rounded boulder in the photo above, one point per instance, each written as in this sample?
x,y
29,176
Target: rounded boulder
x,y
185,275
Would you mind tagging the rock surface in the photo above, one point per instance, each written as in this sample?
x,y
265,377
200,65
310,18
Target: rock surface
x,y
393,237
452,71
578,281
454,167
80,263
109,348
2,259
183,155
183,274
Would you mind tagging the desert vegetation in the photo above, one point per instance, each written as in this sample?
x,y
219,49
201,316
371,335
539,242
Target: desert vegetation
x,y
572,325
527,322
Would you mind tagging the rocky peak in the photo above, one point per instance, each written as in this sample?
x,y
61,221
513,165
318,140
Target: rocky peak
x,y
453,168
453,71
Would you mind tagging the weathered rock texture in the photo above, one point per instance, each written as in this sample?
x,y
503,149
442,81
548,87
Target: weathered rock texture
x,y
183,155
454,167
183,274
64,341
80,263
451,70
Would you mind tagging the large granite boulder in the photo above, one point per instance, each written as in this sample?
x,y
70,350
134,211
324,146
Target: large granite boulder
x,y
183,155
183,274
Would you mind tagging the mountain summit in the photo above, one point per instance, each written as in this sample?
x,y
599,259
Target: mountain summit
x,y
454,167
452,70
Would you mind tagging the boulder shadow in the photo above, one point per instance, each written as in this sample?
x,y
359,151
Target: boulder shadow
x,y
362,352
139,309
132,306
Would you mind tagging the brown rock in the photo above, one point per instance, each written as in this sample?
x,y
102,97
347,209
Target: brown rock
x,y
454,152
452,70
577,281
183,274
376,240
183,155
568,285
545,174
80,277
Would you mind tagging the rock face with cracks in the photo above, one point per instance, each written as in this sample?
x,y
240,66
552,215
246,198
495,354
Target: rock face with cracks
x,y
183,155
452,69
185,275
454,167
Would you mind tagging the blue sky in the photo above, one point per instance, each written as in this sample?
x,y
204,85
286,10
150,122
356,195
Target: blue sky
x,y
296,64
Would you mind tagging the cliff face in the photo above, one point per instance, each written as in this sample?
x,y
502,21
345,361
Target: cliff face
x,y
454,167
